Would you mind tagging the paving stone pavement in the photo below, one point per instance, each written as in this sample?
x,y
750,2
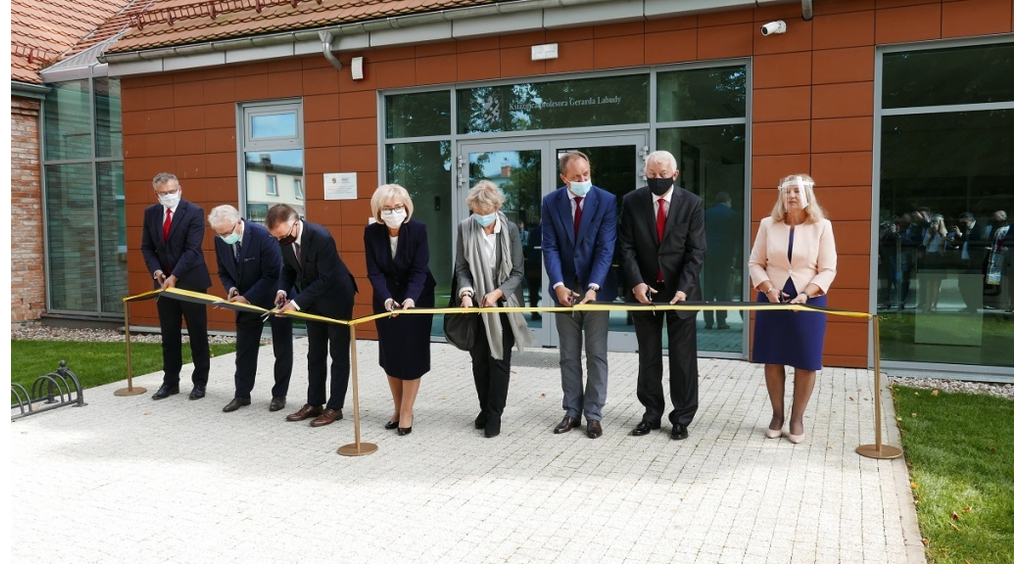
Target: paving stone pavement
x,y
129,479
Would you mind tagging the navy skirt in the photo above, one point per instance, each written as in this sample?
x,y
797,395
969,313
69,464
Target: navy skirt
x,y
791,338
403,342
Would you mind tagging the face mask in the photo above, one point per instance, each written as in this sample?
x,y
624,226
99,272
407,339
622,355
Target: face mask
x,y
170,200
288,239
800,184
580,188
485,220
659,185
231,239
394,219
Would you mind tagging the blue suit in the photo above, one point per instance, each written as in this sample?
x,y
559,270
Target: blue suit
x,y
181,256
579,260
254,273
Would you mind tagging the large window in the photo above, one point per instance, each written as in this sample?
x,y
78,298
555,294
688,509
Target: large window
x,y
945,205
272,155
86,246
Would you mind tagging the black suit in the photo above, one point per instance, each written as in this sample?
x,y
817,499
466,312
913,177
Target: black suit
x,y
254,273
327,288
182,256
679,257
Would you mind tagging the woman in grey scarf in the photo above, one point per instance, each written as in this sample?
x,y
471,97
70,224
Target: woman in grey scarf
x,y
489,266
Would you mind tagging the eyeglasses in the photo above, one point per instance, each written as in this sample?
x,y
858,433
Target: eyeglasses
x,y
167,193
388,211
226,233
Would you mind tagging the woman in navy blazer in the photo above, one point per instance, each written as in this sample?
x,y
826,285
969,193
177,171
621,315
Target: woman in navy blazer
x,y
397,259
793,260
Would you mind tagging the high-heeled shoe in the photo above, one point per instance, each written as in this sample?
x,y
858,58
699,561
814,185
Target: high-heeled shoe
x,y
402,431
796,439
773,433
391,425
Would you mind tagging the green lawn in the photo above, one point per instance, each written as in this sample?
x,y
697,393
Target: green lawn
x,y
93,363
960,451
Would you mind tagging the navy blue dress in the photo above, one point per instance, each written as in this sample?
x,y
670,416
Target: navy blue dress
x,y
791,338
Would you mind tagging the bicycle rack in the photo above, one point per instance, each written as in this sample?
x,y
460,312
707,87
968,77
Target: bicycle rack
x,y
54,390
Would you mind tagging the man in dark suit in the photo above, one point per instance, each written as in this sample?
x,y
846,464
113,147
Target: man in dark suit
x,y
578,241
249,266
969,246
326,288
662,244
723,247
172,246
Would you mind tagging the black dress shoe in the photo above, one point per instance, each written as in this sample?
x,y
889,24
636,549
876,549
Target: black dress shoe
x,y
390,425
679,432
644,427
198,392
236,403
481,421
567,424
277,403
493,429
594,429
403,431
165,390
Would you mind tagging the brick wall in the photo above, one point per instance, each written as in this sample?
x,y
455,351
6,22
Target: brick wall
x,y
28,284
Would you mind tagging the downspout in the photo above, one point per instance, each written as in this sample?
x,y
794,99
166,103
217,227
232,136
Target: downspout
x,y
807,10
326,38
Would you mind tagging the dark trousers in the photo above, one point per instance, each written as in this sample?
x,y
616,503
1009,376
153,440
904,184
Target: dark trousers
x,y
490,374
324,338
171,312
682,365
248,332
718,287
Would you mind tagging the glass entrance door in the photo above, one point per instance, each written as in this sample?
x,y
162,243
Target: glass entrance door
x,y
525,171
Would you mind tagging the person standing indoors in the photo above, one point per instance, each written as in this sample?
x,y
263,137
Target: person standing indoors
x,y
662,243
793,260
172,246
249,265
397,259
723,230
489,268
578,243
326,288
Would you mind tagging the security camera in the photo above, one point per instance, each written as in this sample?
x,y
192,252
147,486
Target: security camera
x,y
777,26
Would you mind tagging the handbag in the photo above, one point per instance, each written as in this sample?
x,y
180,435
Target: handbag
x,y
460,328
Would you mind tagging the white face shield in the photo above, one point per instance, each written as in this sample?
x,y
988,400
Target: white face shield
x,y
801,185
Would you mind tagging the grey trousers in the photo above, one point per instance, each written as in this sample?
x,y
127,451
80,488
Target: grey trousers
x,y
589,328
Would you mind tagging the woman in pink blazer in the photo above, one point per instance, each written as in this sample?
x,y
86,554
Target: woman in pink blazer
x,y
793,260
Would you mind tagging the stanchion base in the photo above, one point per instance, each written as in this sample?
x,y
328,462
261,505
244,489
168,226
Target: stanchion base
x,y
133,391
879,451
357,449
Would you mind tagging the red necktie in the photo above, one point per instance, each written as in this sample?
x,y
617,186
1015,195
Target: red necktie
x,y
577,215
662,217
167,225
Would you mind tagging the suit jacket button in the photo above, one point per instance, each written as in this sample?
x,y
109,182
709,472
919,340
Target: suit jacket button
x,y
790,271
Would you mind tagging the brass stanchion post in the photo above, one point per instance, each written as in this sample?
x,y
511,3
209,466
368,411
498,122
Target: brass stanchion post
x,y
878,450
130,390
357,448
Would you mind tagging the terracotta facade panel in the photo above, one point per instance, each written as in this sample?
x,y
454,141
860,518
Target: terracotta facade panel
x,y
670,24
781,104
395,74
855,277
320,80
848,339
619,51
853,237
321,107
728,17
766,171
436,70
722,42
481,44
824,7
841,135
159,97
569,35
287,84
190,93
837,31
219,90
322,134
572,56
189,142
842,169
221,140
522,39
358,130
796,39
976,17
844,203
435,49
317,162
781,138
361,104
359,158
223,165
479,65
188,118
912,23
784,69
671,46
252,87
517,61
855,64
843,100
621,28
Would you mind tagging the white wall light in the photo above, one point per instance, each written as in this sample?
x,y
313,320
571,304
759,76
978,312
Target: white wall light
x,y
357,68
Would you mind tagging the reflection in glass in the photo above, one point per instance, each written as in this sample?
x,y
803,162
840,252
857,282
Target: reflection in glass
x,y
937,77
424,169
556,104
946,299
67,125
107,93
417,115
702,94
71,232
263,170
711,165
113,244
266,126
